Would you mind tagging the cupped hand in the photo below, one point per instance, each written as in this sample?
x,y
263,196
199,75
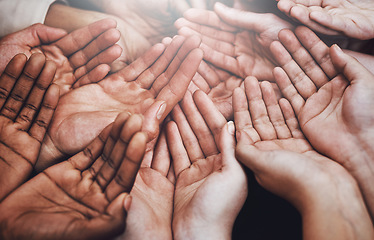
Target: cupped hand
x,y
211,186
27,104
161,75
84,197
81,57
271,144
333,104
240,48
151,209
353,18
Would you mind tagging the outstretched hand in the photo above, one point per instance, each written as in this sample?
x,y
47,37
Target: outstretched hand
x,y
27,104
333,103
86,195
271,144
353,18
211,186
81,57
161,75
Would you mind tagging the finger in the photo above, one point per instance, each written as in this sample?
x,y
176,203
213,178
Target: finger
x,y
300,80
176,148
189,44
302,14
274,111
227,145
339,23
23,86
207,33
149,76
290,118
174,91
349,66
136,68
317,48
108,56
161,159
243,19
199,127
189,139
288,89
91,153
10,76
198,83
242,117
45,34
198,4
113,135
98,45
112,160
257,108
34,100
95,75
303,58
208,18
208,74
130,164
78,39
213,118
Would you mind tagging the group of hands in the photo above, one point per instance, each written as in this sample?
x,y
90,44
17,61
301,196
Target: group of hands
x,y
151,152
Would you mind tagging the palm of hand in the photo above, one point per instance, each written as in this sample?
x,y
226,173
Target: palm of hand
x,y
152,204
334,109
84,112
196,188
67,194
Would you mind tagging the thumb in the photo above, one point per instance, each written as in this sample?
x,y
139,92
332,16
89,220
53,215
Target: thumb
x,y
42,34
247,153
348,66
227,142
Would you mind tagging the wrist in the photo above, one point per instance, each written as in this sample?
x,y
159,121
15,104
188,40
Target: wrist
x,y
195,230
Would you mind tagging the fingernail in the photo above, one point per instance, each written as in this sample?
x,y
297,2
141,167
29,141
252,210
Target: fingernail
x,y
336,46
161,111
127,203
231,127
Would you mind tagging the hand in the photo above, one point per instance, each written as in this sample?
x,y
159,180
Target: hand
x,y
84,196
158,76
240,52
353,18
334,110
271,144
152,198
76,63
26,109
211,186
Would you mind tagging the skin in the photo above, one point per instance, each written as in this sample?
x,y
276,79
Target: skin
x,y
271,144
352,18
27,104
151,210
334,110
161,75
77,64
211,186
235,40
83,197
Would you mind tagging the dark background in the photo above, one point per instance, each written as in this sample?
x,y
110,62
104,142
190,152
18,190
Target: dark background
x,y
266,216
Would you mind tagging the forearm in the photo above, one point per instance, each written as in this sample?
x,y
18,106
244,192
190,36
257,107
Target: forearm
x,y
189,232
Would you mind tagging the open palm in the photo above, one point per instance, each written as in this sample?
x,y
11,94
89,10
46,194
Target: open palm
x,y
354,18
26,111
157,76
83,196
